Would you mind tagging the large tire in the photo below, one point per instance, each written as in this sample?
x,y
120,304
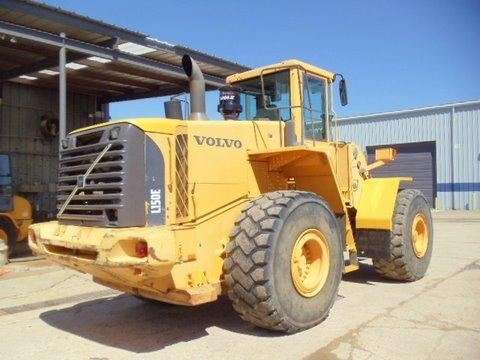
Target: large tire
x,y
259,266
407,261
12,233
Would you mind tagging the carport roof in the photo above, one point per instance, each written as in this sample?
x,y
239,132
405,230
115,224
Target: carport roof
x,y
108,61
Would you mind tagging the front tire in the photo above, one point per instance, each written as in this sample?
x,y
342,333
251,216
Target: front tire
x,y
284,261
410,241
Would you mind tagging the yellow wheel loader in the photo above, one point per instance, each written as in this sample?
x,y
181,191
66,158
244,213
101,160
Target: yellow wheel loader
x,y
15,211
266,205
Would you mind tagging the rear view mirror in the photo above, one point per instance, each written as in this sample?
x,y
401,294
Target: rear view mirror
x,y
342,89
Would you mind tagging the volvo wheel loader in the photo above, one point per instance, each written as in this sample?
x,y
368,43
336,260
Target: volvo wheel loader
x,y
15,211
266,205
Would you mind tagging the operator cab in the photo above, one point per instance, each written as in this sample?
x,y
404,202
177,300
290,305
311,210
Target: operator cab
x,y
292,91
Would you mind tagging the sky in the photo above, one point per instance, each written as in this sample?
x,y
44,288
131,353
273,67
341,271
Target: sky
x,y
394,54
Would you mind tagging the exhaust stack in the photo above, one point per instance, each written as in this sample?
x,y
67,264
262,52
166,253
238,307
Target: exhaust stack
x,y
197,88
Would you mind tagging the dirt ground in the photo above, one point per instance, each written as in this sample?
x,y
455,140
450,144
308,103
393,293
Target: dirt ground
x,y
47,312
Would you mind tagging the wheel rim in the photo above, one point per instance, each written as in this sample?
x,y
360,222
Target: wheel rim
x,y
310,262
420,235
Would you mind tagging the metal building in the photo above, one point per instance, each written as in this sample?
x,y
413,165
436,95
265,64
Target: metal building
x,y
63,69
438,146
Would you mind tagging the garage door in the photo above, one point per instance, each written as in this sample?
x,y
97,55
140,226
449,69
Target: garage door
x,y
413,159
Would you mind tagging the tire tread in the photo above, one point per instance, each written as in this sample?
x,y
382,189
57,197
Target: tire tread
x,y
248,285
395,267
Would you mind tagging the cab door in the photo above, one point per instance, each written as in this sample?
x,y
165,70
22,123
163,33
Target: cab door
x,y
315,108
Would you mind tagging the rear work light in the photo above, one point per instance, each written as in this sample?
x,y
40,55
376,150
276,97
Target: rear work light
x,y
141,249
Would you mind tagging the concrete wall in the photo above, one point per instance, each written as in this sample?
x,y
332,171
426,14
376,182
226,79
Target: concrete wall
x,y
455,128
34,158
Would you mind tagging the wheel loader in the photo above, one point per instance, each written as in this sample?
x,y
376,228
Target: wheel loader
x,y
15,210
266,206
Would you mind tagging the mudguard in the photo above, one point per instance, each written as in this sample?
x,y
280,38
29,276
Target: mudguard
x,y
377,202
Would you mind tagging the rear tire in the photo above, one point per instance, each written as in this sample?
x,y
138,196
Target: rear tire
x,y
260,272
11,232
409,251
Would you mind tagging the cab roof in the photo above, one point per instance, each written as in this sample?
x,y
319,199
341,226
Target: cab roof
x,y
284,64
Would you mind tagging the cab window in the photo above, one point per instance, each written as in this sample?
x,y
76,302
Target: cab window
x,y
277,97
314,106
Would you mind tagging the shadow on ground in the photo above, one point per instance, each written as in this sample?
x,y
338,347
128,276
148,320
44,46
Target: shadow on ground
x,y
131,324
22,251
366,275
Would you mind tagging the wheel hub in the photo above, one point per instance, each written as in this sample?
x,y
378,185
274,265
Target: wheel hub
x,y
310,262
420,235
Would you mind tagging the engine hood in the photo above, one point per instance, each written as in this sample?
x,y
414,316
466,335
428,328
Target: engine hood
x,y
155,125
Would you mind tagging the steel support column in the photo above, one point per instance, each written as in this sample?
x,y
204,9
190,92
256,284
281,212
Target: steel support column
x,y
452,155
62,93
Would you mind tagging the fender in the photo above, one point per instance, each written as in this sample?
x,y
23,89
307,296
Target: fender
x,y
377,203
310,167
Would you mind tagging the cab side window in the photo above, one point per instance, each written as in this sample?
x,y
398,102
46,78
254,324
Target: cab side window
x,y
314,103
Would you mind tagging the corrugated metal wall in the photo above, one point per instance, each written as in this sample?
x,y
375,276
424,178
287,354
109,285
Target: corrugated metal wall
x,y
455,129
34,159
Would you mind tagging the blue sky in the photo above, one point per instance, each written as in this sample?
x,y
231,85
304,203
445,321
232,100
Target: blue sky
x,y
394,54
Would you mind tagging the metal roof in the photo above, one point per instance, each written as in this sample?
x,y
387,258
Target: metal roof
x,y
108,61
408,111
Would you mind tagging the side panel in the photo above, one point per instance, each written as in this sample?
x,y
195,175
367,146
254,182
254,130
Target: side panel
x,y
154,184
218,172
160,160
377,202
299,168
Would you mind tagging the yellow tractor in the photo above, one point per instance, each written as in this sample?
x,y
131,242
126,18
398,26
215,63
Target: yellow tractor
x,y
266,205
15,211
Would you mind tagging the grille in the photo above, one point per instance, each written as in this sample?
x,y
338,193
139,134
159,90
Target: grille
x,y
181,176
101,197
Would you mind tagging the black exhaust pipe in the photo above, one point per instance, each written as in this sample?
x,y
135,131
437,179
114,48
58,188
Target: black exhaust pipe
x,y
197,88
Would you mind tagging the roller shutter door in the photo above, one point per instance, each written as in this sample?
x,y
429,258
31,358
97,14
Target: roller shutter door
x,y
413,159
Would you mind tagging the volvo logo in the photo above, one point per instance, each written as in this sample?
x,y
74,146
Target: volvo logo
x,y
218,142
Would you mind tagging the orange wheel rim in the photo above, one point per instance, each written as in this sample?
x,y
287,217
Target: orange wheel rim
x,y
420,235
310,262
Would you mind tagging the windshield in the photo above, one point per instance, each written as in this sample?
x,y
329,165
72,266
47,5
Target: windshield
x,y
277,97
